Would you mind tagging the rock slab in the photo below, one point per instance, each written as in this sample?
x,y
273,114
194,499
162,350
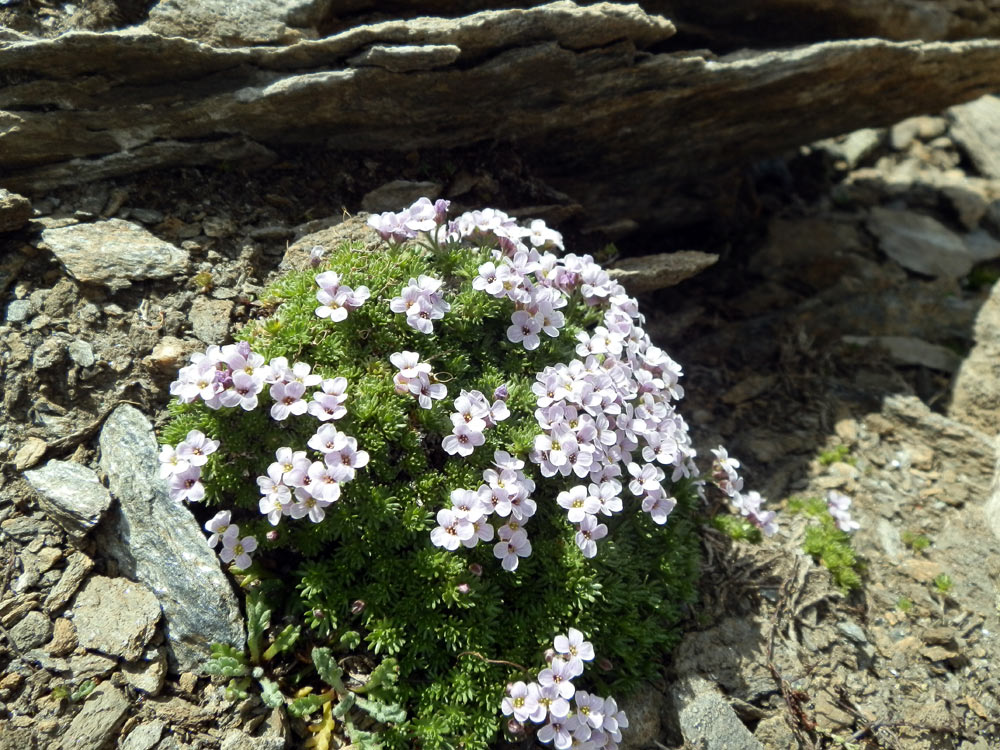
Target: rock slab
x,y
71,495
98,721
114,253
115,616
920,243
976,128
159,543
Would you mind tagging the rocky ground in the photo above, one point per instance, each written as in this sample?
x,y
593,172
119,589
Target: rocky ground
x,y
841,342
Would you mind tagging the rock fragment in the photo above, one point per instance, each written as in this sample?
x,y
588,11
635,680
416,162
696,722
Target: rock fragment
x,y
32,631
98,721
15,211
78,565
158,542
148,674
71,495
29,454
115,616
114,253
651,272
144,736
210,319
975,126
398,194
920,243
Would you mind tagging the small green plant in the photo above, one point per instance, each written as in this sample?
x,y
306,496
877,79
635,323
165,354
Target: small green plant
x,y
915,541
73,694
904,605
981,277
737,528
943,583
837,454
826,542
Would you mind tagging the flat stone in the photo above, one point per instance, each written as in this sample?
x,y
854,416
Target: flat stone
x,y
975,127
907,350
920,243
398,194
922,571
15,211
81,352
247,22
63,638
144,736
115,616
709,721
114,253
405,58
158,542
982,245
854,147
88,666
234,739
18,311
71,495
32,631
78,565
30,453
651,272
149,674
102,714
210,319
329,234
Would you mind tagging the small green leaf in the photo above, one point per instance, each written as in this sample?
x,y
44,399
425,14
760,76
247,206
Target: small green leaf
x,y
351,639
328,670
384,675
85,689
285,640
386,713
258,620
306,705
343,706
270,693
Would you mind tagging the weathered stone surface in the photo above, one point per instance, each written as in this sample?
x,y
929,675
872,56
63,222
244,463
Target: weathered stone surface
x,y
33,630
15,210
148,674
244,23
976,128
115,616
336,232
210,319
398,194
114,253
145,736
30,453
71,495
651,272
575,89
920,243
159,543
98,720
975,396
709,721
78,565
405,58
907,350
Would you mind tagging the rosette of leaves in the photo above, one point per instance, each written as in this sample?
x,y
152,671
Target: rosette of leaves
x,y
366,584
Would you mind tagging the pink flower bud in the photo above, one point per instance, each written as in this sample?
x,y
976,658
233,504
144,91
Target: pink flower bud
x,y
515,727
357,606
605,664
500,394
272,535
317,613
550,654
476,569
463,588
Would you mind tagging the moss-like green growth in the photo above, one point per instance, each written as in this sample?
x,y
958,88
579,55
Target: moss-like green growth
x,y
837,454
737,528
366,583
915,541
943,583
827,544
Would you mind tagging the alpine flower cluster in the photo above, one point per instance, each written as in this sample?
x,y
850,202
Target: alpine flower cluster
x,y
839,506
588,723
748,504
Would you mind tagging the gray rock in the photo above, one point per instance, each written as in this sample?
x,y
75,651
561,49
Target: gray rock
x,y
234,739
159,542
329,234
144,736
71,495
853,148
18,311
907,350
98,721
78,565
709,721
398,194
644,711
115,616
149,674
651,272
15,211
920,243
49,353
32,631
584,141
88,666
114,253
975,127
81,352
975,397
236,24
146,215
982,245
210,319
404,58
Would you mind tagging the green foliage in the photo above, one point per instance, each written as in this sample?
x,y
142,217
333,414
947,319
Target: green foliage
x,y
837,454
366,583
737,528
916,542
904,605
226,661
943,583
827,544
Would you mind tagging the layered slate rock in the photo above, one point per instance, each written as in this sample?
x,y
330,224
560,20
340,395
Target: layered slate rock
x,y
114,253
70,494
158,542
585,93
115,616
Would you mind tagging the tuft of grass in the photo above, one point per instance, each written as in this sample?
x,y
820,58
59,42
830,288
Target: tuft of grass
x,y
904,605
943,583
916,542
827,544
